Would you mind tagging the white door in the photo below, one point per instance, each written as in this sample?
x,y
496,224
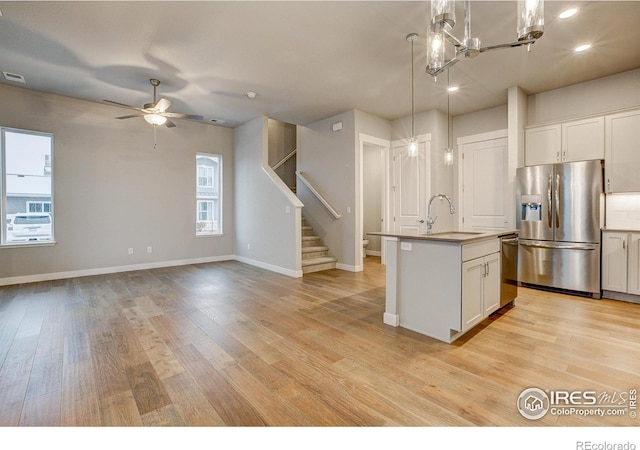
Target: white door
x,y
410,175
485,185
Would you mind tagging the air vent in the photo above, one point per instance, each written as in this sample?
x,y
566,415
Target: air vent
x,y
14,77
218,121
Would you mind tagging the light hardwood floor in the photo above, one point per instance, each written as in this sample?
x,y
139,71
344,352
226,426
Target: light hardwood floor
x,y
227,344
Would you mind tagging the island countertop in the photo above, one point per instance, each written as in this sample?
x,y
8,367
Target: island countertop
x,y
459,236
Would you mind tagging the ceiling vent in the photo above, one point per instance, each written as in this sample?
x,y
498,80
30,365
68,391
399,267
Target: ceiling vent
x,y
14,77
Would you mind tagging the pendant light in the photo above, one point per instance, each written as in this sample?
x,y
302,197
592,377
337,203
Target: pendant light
x,y
448,151
413,141
529,28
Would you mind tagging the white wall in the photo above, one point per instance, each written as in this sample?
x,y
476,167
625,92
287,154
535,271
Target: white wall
x,y
267,214
327,159
113,191
591,97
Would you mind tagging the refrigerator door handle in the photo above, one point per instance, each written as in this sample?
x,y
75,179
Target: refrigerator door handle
x,y
549,200
561,246
557,193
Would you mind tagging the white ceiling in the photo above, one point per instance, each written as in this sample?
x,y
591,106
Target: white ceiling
x,y
306,60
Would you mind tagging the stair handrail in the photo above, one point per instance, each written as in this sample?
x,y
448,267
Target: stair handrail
x,y
284,160
317,194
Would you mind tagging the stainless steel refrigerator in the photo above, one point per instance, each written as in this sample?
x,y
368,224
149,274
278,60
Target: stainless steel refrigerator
x,y
558,218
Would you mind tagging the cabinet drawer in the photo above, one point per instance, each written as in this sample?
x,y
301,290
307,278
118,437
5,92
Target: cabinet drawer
x,y
479,249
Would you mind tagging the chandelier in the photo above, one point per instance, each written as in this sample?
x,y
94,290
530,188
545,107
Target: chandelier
x,y
530,26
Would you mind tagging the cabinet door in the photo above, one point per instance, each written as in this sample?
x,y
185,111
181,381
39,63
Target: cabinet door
x,y
583,140
633,261
542,145
472,286
622,158
614,261
491,292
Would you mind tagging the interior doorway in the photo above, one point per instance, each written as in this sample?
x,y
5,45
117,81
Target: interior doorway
x,y
373,197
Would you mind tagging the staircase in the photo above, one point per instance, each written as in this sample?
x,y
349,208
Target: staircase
x,y
315,256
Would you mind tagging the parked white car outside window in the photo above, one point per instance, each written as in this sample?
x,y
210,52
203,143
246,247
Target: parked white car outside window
x,y
31,227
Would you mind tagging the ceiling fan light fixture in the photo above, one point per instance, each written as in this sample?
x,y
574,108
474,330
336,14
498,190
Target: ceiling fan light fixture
x,y
155,119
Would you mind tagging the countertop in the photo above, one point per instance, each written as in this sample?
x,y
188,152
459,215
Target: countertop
x,y
458,236
621,230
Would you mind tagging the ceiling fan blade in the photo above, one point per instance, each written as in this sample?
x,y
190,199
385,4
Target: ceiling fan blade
x,y
122,105
182,116
169,124
162,105
130,116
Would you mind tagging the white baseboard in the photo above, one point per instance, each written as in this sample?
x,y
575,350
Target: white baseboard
x,y
349,268
107,270
374,253
391,319
270,267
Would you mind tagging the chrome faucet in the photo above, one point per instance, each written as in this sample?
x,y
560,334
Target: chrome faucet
x,y
431,221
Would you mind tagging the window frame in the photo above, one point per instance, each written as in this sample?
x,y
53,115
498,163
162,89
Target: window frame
x,y
216,200
4,243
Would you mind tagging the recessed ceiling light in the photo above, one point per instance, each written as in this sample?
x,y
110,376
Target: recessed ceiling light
x,y
218,121
452,88
582,48
14,77
568,13
251,94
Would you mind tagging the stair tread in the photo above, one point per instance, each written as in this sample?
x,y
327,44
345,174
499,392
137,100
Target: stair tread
x,y
318,248
320,260
310,238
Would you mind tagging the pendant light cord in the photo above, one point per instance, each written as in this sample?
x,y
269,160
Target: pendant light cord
x,y
448,116
413,113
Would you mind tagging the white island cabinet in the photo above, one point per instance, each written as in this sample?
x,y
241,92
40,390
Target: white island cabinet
x,y
444,284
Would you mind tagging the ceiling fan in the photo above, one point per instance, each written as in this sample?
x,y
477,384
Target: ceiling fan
x,y
156,113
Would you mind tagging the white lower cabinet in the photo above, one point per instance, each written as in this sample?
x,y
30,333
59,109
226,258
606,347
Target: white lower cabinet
x,y
621,262
480,289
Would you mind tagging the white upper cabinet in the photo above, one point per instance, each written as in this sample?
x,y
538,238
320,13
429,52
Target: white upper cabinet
x,y
622,152
577,140
542,145
583,140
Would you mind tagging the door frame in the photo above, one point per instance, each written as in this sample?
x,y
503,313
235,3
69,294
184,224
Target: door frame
x,y
385,145
510,185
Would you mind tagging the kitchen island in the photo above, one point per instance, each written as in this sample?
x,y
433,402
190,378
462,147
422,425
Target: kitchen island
x,y
442,284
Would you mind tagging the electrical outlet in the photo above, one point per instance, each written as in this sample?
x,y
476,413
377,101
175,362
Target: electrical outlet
x,y
149,249
130,251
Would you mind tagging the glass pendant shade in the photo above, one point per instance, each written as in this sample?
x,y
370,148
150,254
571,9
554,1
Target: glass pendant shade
x,y
435,50
413,146
155,119
443,14
530,19
448,156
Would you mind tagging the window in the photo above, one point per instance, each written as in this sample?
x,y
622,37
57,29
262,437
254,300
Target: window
x,y
26,187
208,194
